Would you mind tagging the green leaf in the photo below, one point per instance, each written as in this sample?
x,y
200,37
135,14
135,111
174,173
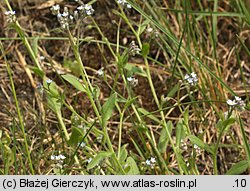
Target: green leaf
x,y
129,102
54,98
76,136
37,71
182,162
96,92
132,168
148,114
180,133
73,66
195,140
163,141
54,104
145,50
186,117
122,61
34,45
133,69
123,154
74,81
173,90
238,168
138,148
225,125
100,156
107,108
142,27
245,140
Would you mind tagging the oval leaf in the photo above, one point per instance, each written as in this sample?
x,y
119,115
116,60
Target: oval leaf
x,y
133,168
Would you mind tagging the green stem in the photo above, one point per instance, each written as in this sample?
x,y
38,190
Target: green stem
x,y
120,135
18,111
89,92
24,39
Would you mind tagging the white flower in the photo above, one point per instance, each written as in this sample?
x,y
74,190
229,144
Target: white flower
x,y
8,13
184,145
65,14
197,149
10,16
152,160
134,49
133,81
61,157
124,3
191,79
100,72
42,58
80,8
82,144
88,9
57,157
48,81
149,30
196,146
89,160
52,157
55,9
231,102
148,162
129,6
237,98
121,2
130,79
236,102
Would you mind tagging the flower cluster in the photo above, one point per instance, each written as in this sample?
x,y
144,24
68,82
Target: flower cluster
x,y
184,145
236,102
151,162
191,79
124,3
65,18
85,9
134,49
59,159
197,149
11,16
132,81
